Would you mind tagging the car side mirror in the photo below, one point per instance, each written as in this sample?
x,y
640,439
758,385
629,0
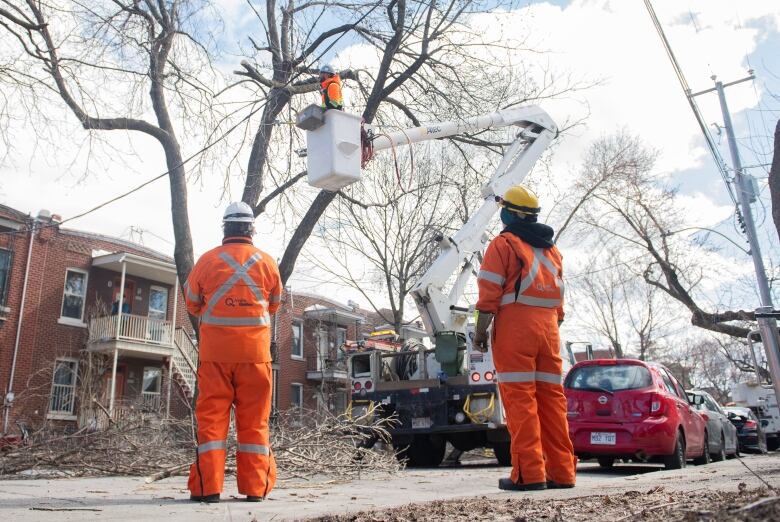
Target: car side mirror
x,y
695,399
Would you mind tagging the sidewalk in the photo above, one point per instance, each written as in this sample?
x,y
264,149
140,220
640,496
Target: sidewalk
x,y
130,498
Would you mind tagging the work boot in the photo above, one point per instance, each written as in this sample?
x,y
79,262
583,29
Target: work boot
x,y
551,484
509,485
208,499
252,498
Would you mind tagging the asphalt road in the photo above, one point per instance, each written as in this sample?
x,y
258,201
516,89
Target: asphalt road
x,y
130,498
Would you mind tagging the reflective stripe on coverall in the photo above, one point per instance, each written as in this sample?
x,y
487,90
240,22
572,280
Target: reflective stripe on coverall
x,y
331,93
233,289
523,286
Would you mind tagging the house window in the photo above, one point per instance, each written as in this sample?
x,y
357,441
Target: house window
x,y
63,387
341,338
5,269
74,295
150,388
296,395
297,340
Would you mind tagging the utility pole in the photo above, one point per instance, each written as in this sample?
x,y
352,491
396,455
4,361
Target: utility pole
x,y
765,315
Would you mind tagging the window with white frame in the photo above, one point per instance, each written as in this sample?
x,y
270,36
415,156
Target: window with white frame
x,y
296,395
297,340
150,388
63,387
74,295
341,338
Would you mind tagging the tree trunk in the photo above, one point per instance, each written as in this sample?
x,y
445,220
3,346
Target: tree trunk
x,y
774,180
303,232
277,100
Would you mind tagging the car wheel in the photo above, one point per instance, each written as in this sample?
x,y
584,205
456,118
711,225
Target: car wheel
x,y
677,459
721,455
606,462
705,454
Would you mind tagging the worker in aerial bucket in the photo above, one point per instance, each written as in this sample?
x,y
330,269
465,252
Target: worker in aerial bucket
x,y
521,293
330,88
233,289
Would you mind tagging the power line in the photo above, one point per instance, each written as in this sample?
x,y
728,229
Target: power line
x,y
692,102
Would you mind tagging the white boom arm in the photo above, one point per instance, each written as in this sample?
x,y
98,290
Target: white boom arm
x,y
438,308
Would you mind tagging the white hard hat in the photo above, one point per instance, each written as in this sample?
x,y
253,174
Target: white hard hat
x,y
238,212
327,69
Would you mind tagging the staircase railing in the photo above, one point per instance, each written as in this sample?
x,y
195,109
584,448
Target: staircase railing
x,y
185,359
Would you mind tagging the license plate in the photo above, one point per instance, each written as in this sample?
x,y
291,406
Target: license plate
x,y
608,439
421,422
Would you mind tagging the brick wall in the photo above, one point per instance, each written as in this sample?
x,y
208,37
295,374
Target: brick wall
x,y
292,370
44,337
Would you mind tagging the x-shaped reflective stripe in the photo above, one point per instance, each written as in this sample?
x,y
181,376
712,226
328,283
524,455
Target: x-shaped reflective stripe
x,y
240,272
190,295
539,254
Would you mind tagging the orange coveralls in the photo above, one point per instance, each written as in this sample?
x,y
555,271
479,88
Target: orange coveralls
x,y
331,93
233,289
523,286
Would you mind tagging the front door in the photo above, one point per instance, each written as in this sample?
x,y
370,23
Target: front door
x,y
129,296
119,389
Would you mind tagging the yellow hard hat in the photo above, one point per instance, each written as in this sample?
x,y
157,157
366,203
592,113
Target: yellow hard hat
x,y
520,199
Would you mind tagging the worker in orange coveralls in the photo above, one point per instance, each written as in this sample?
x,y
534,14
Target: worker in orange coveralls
x,y
233,289
520,284
330,87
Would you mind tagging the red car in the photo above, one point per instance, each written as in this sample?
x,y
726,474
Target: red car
x,y
625,408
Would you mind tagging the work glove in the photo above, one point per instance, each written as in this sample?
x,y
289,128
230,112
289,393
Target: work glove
x,y
480,341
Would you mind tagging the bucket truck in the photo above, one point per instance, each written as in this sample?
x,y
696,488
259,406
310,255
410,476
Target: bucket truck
x,y
446,393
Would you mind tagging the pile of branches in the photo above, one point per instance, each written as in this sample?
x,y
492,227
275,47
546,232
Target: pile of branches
x,y
305,444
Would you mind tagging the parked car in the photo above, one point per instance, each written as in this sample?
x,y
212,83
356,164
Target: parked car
x,y
749,431
630,409
722,433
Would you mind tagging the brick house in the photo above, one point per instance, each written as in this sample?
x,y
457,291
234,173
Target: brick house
x,y
309,368
65,286
72,326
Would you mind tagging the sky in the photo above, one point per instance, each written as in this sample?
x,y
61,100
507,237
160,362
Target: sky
x,y
611,42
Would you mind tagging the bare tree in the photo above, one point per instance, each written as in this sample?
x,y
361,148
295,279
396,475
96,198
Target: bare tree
x,y
644,216
600,304
395,237
430,64
711,364
613,302
112,64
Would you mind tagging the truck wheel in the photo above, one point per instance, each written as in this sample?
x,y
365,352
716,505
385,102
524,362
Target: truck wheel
x,y
677,459
425,451
606,462
705,454
502,452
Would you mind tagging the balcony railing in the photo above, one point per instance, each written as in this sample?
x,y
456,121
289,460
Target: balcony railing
x,y
131,328
150,401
